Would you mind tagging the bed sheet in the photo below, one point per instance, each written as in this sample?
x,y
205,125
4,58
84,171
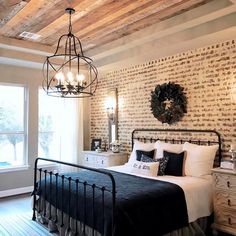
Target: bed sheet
x,y
198,191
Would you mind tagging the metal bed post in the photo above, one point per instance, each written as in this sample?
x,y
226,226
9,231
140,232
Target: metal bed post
x,y
34,191
63,178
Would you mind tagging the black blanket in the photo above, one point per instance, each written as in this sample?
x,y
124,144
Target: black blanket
x,y
143,206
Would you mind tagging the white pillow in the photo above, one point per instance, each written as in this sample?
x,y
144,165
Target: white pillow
x,y
145,168
140,146
169,147
200,159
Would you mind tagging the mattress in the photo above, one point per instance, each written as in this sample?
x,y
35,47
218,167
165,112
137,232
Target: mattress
x,y
198,191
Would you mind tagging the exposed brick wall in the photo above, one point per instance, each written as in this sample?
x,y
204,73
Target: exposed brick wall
x,y
208,76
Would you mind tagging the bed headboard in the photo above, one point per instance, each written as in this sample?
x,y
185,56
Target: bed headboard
x,y
200,137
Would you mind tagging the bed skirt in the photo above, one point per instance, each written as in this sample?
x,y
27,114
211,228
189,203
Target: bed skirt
x,y
67,226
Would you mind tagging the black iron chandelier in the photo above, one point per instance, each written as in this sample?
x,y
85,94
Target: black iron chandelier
x,y
71,73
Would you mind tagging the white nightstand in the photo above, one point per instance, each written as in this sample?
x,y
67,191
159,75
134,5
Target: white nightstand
x,y
103,159
224,200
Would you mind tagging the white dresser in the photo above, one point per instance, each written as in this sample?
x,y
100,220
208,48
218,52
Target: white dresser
x,y
103,159
224,200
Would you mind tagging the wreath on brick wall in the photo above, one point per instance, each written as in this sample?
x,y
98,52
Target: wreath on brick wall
x,y
168,103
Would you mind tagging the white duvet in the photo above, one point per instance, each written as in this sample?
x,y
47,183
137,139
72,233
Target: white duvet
x,y
198,191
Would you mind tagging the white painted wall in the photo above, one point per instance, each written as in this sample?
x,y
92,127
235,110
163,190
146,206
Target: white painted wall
x,y
32,79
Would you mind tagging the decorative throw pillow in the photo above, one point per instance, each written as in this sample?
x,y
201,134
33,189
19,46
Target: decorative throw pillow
x,y
145,158
175,163
162,163
170,147
140,146
200,159
145,168
139,154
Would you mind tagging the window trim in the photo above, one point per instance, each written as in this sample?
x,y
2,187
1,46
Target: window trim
x,y
25,162
14,168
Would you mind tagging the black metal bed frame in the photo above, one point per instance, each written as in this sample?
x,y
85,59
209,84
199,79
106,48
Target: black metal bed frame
x,y
179,140
85,185
38,171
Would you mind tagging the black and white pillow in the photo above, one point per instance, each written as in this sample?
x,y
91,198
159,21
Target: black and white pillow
x,y
149,154
162,166
162,163
144,168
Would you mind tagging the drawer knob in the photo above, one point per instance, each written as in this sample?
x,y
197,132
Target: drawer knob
x,y
229,221
228,184
229,202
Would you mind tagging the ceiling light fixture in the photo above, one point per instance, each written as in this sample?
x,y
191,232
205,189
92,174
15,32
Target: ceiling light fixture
x,y
71,73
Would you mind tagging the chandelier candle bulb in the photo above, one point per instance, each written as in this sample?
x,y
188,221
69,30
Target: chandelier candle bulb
x,y
60,77
80,79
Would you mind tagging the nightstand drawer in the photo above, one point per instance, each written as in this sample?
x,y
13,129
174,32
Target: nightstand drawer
x,y
226,218
225,182
225,199
88,160
101,161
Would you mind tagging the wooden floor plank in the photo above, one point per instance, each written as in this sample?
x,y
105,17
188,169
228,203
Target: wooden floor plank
x,y
16,218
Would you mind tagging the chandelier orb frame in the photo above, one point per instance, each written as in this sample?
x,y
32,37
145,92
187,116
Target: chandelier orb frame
x,y
69,74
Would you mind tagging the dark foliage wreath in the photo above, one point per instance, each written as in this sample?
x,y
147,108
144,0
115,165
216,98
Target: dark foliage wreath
x,y
168,103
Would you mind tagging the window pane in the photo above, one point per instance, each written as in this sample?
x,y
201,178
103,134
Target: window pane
x,y
12,135
49,128
11,108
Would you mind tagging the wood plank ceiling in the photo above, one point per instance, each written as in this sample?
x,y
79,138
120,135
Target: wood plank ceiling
x,y
96,22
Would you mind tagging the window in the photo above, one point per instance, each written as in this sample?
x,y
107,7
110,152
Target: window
x,y
49,134
60,128
12,126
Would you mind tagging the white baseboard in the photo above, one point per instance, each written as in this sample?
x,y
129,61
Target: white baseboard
x,y
16,191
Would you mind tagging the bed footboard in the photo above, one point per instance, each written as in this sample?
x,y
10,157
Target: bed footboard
x,y
81,196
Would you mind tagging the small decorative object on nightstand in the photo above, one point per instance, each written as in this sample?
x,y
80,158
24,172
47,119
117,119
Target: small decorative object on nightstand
x,y
115,146
224,200
103,159
233,154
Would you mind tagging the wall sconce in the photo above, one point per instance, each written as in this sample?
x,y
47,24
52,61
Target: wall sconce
x,y
111,105
111,108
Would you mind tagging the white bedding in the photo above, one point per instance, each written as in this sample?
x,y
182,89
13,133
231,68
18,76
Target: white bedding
x,y
198,191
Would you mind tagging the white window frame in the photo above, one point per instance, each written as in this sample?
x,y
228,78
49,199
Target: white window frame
x,y
25,164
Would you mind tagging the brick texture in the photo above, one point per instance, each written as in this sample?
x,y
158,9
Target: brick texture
x,y
208,76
